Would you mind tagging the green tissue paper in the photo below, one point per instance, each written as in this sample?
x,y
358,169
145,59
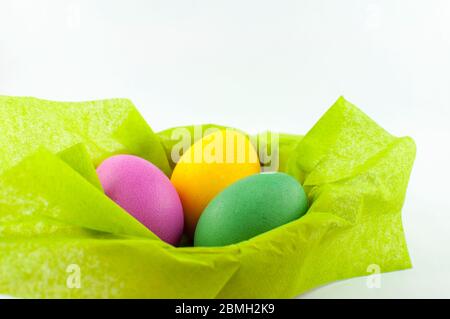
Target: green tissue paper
x,y
106,127
78,158
61,237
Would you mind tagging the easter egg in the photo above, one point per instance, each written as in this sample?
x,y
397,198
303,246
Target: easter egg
x,y
250,207
210,165
145,192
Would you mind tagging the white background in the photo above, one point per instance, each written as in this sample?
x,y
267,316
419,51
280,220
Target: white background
x,y
258,65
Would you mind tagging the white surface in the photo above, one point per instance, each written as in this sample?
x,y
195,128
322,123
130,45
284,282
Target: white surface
x,y
258,65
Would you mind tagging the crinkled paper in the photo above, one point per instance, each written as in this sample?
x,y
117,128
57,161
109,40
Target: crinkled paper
x,y
56,223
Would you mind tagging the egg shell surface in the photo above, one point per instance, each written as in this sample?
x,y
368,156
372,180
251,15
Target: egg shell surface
x,y
250,207
210,165
145,192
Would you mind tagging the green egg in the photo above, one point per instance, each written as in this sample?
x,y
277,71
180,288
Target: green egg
x,y
249,207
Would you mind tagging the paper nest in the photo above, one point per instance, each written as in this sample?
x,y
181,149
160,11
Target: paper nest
x,y
61,237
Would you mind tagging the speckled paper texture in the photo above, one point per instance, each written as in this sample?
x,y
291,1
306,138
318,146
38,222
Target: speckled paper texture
x,y
106,127
54,218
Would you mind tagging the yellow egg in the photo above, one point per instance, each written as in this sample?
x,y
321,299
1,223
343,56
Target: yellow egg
x,y
207,167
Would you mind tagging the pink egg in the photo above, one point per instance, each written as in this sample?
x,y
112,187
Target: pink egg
x,y
143,190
